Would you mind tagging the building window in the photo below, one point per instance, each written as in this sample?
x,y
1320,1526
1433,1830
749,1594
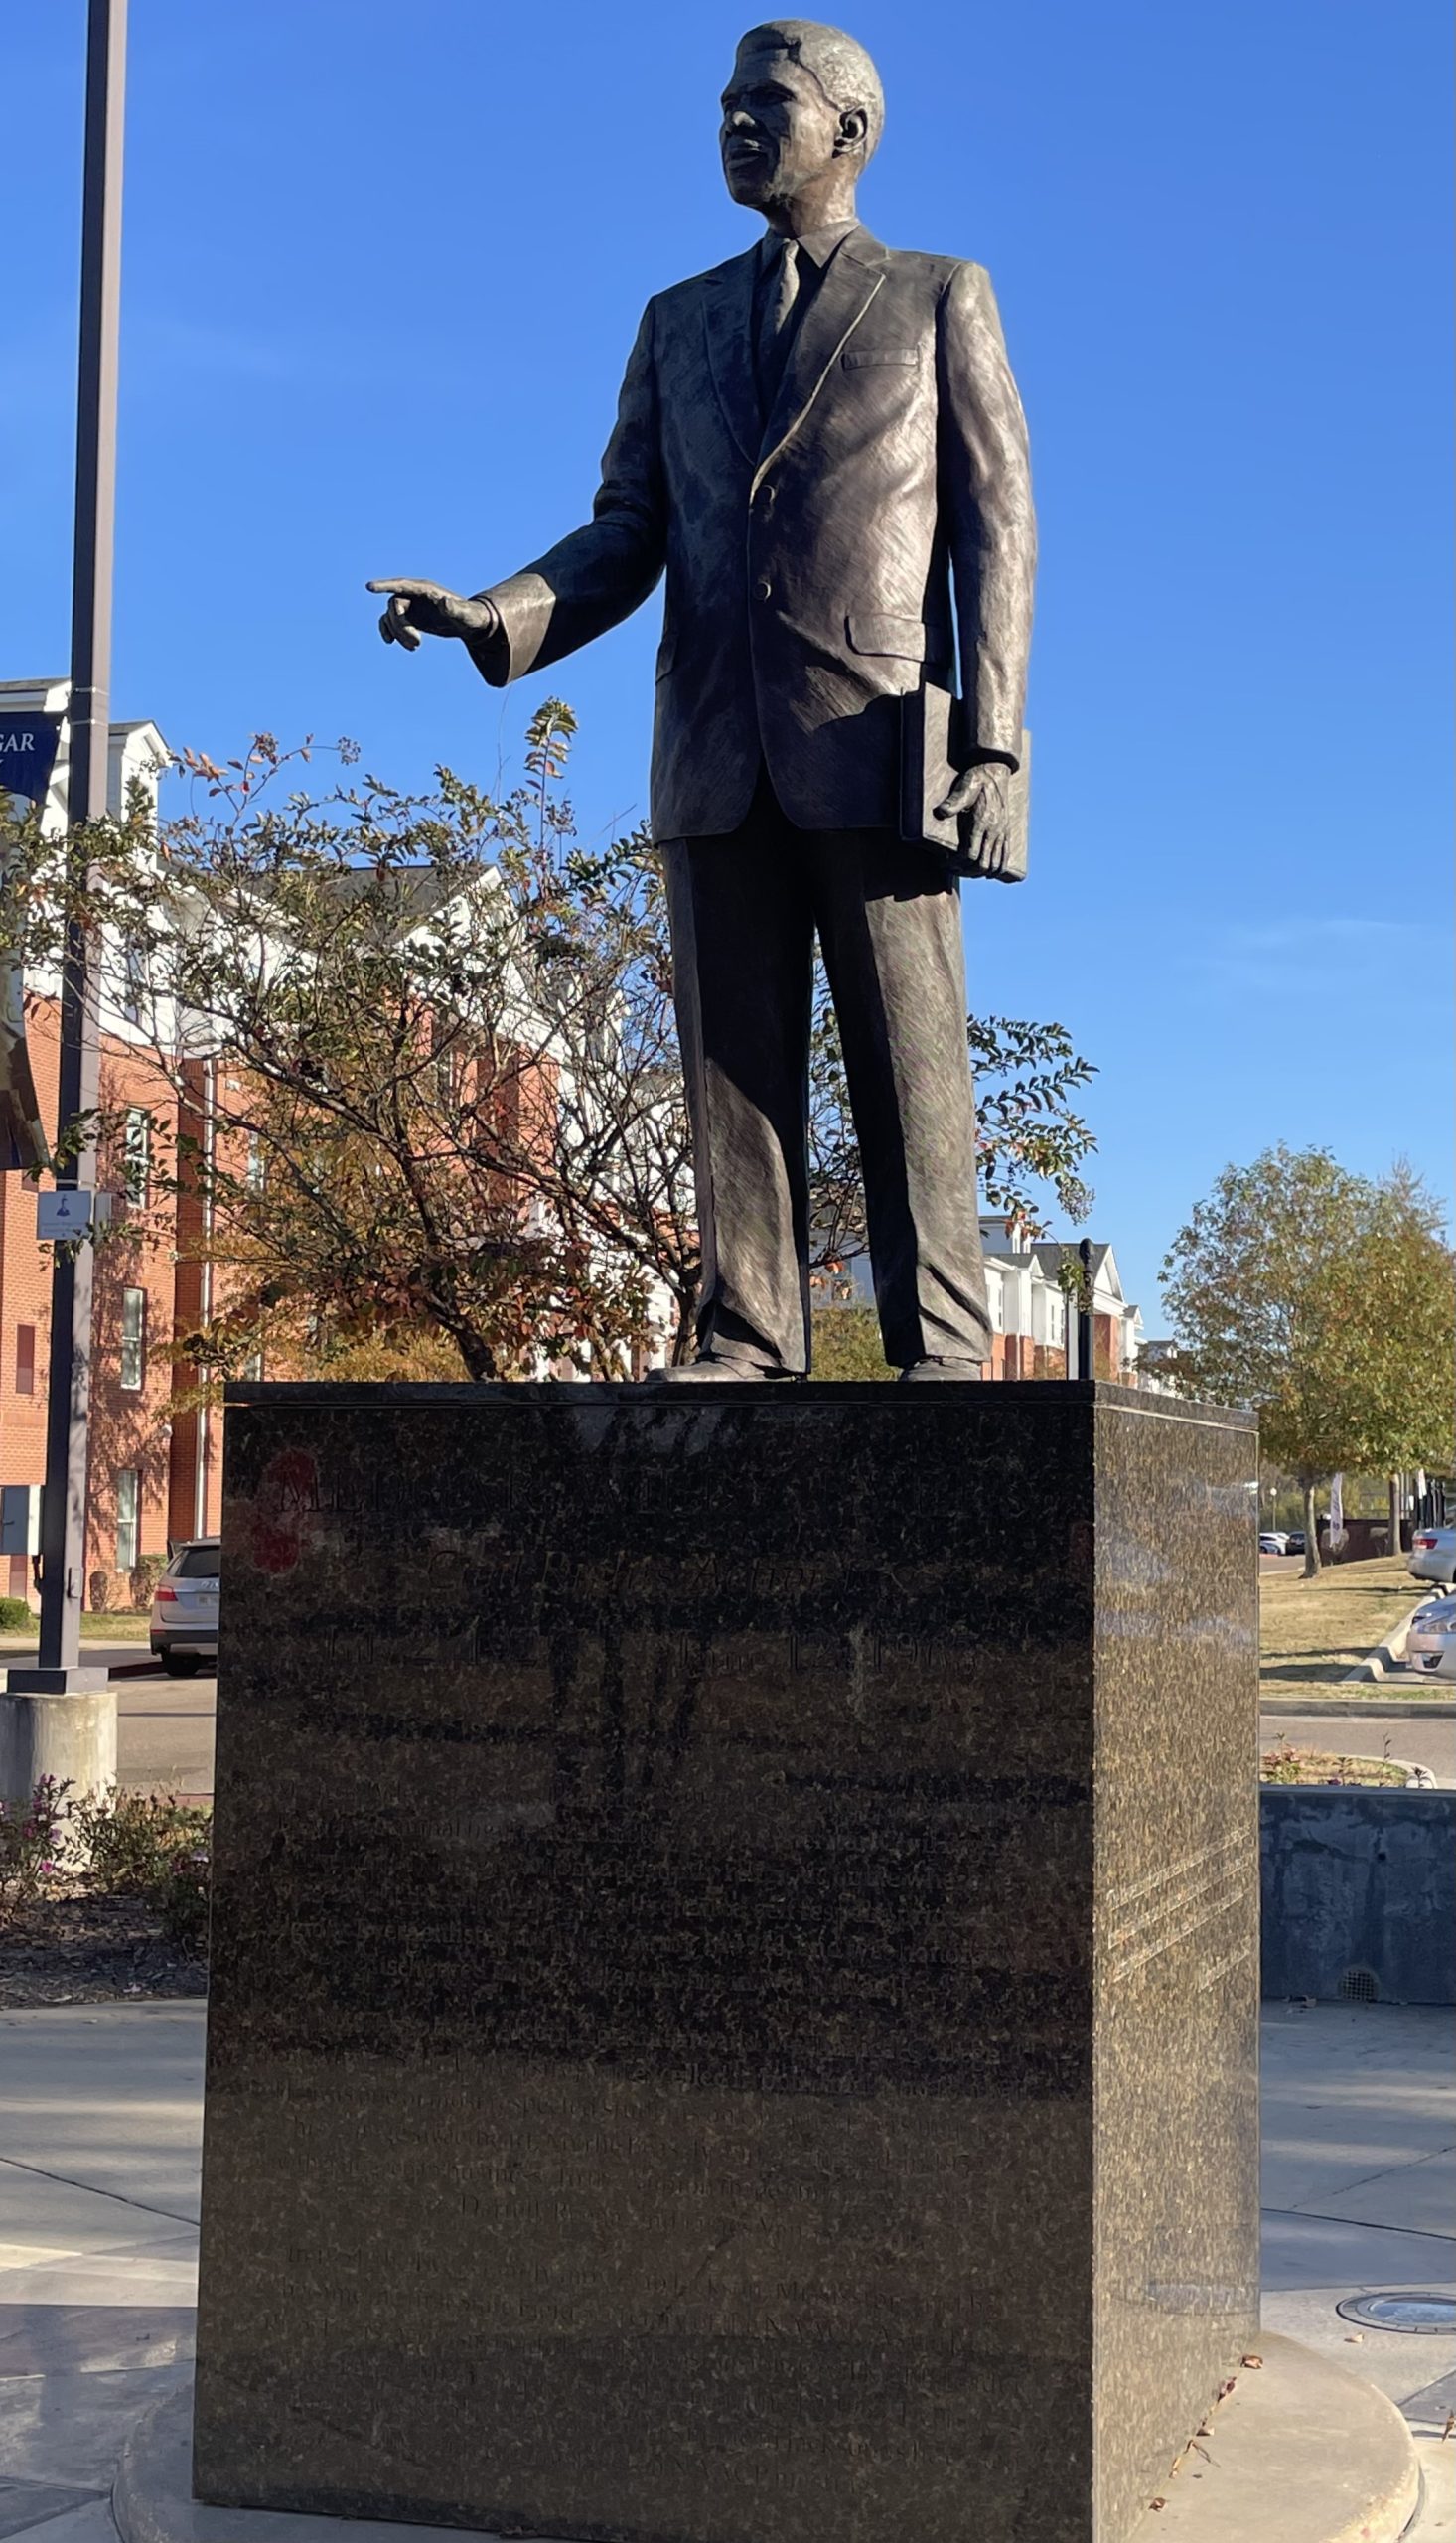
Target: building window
x,y
137,1154
133,982
133,1337
128,1518
25,1359
256,1164
253,1366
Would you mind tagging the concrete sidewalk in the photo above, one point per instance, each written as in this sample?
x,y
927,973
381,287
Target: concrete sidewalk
x,y
101,2130
100,2112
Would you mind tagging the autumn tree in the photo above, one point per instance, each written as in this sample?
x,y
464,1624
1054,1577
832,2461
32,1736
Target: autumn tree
x,y
1323,1299
439,1037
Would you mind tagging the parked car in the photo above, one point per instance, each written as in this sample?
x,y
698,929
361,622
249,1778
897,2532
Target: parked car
x,y
1433,1555
1273,1540
1432,1632
1294,1541
184,1630
1437,1662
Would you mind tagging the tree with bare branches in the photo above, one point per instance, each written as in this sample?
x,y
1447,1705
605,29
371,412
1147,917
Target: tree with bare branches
x,y
421,1059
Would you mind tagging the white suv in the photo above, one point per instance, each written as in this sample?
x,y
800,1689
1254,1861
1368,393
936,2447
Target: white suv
x,y
1432,1554
184,1608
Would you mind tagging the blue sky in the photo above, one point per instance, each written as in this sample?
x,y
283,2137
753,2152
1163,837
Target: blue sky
x,y
381,271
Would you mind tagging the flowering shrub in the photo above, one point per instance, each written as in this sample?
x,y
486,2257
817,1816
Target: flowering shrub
x,y
183,1892
32,1838
126,1841
121,1845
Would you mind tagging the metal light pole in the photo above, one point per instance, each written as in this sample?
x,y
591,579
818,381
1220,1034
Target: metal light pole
x,y
1085,1354
64,1509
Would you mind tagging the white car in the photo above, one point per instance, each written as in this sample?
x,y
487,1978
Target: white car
x,y
1432,1638
1433,1555
1273,1541
184,1631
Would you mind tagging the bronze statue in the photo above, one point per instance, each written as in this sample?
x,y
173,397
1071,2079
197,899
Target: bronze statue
x,y
819,442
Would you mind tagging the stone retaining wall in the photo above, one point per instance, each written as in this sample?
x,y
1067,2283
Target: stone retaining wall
x,y
1359,1888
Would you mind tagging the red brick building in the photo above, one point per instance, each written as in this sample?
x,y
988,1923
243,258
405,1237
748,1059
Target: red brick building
x,y
154,1470
155,1467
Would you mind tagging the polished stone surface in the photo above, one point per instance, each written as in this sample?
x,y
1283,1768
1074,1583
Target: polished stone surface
x,y
807,2087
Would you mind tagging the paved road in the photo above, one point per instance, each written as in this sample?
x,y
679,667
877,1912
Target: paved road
x,y
163,1732
164,1726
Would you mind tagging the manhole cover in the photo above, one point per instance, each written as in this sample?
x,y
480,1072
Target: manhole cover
x,y
1403,2313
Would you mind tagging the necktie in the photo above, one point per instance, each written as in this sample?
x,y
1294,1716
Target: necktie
x,y
776,326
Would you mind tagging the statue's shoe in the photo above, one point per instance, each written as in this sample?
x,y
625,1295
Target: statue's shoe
x,y
921,1372
711,1371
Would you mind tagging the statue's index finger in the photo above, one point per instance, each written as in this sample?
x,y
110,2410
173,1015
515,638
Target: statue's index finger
x,y
411,591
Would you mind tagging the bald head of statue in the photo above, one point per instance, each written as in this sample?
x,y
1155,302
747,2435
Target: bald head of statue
x,y
801,116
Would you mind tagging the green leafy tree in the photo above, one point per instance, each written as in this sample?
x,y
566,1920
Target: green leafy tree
x,y
1324,1299
1030,1141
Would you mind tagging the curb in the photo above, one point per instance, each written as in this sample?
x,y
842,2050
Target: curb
x,y
1347,1707
1385,1656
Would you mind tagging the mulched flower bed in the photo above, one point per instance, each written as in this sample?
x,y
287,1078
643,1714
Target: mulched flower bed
x,y
73,1949
1291,1765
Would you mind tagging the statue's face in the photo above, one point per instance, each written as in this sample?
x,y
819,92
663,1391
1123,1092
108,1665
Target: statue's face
x,y
779,128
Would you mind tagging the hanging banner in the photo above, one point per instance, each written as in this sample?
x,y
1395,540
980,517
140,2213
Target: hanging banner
x,y
27,746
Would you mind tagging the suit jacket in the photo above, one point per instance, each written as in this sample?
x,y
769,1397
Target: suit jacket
x,y
810,556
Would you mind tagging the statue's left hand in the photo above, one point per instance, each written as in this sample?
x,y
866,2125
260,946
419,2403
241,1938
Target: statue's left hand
x,y
981,800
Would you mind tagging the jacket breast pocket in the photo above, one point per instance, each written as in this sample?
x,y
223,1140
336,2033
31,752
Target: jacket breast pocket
x,y
862,359
872,632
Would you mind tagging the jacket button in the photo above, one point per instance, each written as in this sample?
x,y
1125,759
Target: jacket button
x,y
764,587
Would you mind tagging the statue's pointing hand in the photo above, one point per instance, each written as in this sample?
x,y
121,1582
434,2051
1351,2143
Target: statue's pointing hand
x,y
980,800
414,610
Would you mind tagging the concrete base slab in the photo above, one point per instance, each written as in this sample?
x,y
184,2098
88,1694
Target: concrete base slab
x,y
1301,2451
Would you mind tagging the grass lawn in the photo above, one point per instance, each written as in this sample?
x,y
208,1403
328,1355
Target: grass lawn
x,y
124,1628
1311,1632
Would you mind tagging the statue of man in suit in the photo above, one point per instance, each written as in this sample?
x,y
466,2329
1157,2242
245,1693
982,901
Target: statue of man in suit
x,y
819,442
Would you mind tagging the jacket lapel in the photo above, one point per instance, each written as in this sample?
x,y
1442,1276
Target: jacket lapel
x,y
853,277
728,320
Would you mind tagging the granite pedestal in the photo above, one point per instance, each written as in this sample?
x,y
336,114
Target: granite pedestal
x,y
735,1987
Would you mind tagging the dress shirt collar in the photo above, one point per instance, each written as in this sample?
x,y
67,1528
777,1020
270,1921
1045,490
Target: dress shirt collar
x,y
817,245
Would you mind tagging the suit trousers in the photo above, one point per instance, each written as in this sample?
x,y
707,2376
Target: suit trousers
x,y
743,909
